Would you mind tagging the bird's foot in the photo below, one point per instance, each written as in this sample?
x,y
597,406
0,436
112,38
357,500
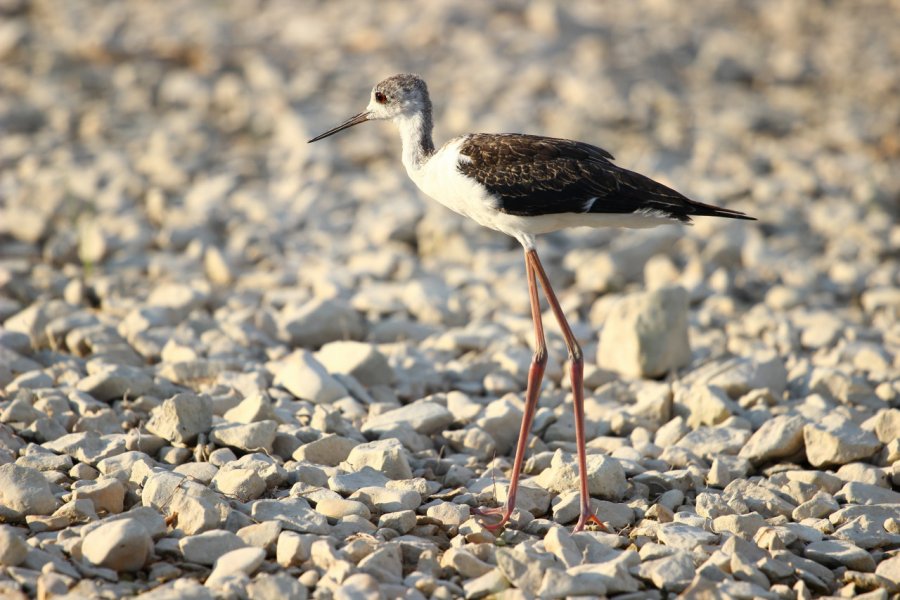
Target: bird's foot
x,y
500,511
589,518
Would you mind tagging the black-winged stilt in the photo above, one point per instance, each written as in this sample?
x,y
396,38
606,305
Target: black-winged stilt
x,y
523,185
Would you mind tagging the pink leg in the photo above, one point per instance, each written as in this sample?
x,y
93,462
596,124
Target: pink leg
x,y
576,374
535,375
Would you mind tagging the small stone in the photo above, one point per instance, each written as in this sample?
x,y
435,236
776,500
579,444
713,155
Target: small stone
x,y
274,586
857,472
200,472
261,535
181,418
195,507
425,417
864,493
13,548
710,442
838,444
646,334
206,548
836,553
387,500
711,506
107,495
779,437
293,548
249,437
671,432
757,497
319,322
294,514
120,545
241,484
361,360
561,543
684,537
401,521
706,405
744,526
347,483
615,571
241,561
449,513
387,456
500,421
672,573
359,585
887,425
740,375
385,563
306,378
330,450
473,441
491,583
606,478
465,563
257,407
819,506
216,266
820,479
338,508
890,570
24,491
107,382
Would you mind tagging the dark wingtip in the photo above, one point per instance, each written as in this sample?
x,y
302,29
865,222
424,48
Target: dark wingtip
x,y
708,210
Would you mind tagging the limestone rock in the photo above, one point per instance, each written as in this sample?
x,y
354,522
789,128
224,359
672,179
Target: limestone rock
x,y
646,334
120,545
181,418
24,491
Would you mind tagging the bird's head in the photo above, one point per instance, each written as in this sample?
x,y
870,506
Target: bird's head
x,y
396,97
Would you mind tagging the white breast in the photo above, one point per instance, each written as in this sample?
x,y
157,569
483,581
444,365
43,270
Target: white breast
x,y
440,178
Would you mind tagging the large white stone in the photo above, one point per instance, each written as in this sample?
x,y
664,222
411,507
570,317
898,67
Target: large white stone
x,y
425,417
181,418
120,545
387,456
359,359
308,379
838,443
778,437
320,321
646,334
24,491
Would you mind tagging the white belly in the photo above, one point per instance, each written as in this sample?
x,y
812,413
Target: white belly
x,y
440,179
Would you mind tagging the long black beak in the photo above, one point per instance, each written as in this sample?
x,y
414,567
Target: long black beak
x,y
360,118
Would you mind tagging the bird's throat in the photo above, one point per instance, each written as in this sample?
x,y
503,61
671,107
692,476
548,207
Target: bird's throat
x,y
415,133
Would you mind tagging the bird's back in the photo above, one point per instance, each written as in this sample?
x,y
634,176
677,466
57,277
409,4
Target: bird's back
x,y
528,175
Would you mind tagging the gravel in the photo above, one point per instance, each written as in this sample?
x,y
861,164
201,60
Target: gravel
x,y
233,364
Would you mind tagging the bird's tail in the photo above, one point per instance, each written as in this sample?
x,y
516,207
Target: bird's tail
x,y
699,209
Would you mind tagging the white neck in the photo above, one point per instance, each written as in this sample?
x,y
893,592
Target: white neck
x,y
415,133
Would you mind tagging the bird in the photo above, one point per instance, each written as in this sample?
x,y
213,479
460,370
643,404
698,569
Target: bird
x,y
525,185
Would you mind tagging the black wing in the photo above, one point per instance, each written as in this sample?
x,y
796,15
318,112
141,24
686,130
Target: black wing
x,y
532,175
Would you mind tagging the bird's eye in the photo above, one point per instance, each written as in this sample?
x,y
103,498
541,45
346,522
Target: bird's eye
x,y
380,98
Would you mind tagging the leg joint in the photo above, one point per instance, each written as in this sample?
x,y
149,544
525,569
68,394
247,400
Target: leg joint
x,y
575,354
540,356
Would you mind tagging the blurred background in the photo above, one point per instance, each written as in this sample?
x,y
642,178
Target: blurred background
x,y
169,138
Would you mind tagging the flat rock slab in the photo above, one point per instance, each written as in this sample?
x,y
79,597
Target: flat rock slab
x,y
425,417
838,445
836,553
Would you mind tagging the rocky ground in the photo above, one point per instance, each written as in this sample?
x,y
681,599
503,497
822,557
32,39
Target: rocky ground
x,y
233,365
